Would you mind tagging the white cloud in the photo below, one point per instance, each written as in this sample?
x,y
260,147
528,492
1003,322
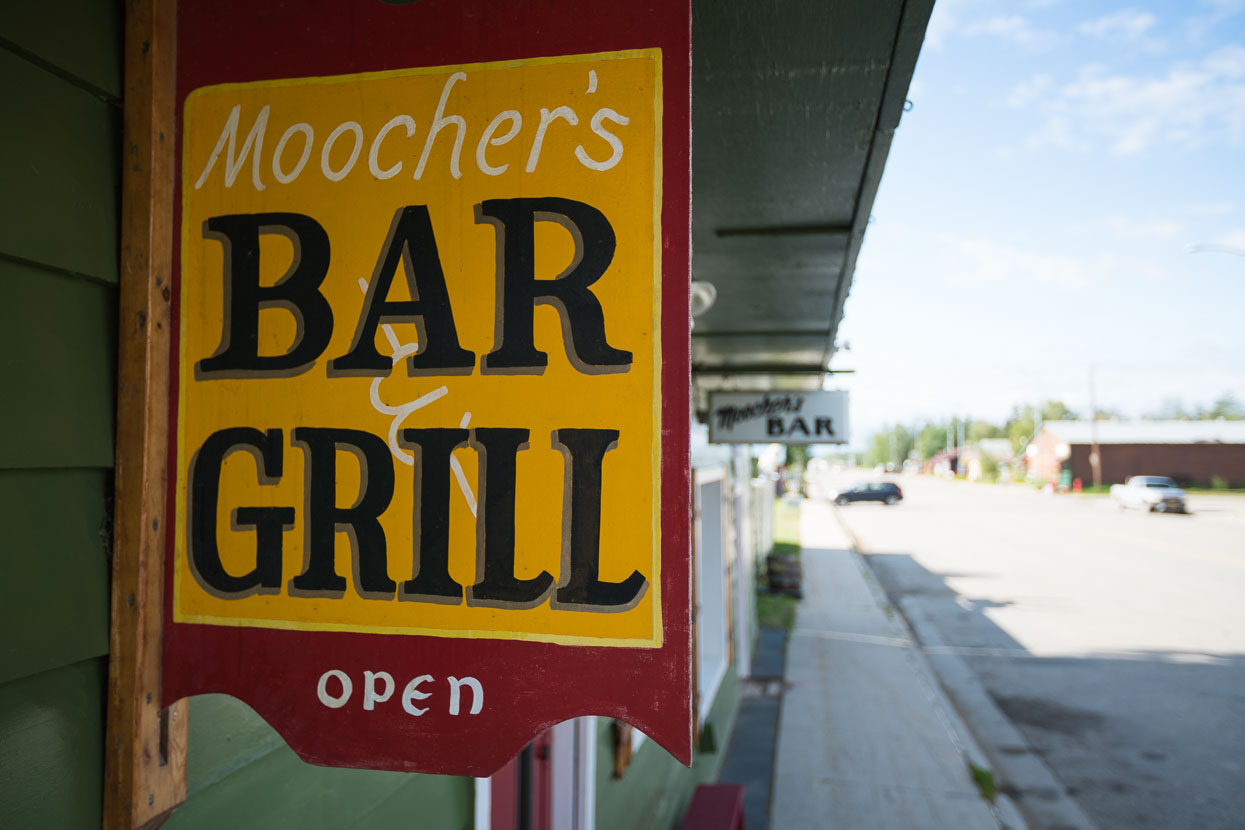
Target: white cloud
x,y
1014,29
1208,208
944,21
1126,228
983,261
986,261
1028,92
1058,131
1217,11
1192,105
1232,239
1228,62
1128,24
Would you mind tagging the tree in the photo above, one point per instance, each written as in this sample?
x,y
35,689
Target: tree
x,y
933,439
1172,409
890,446
1057,411
1226,406
978,430
797,456
905,444
1022,426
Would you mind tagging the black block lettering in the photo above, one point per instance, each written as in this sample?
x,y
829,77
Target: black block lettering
x,y
324,518
269,522
498,586
298,292
411,244
431,581
581,588
519,292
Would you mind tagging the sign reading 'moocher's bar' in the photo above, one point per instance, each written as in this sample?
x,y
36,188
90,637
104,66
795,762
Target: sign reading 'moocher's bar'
x,y
418,509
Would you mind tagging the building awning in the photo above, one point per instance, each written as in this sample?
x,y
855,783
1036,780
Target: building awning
x,y
794,107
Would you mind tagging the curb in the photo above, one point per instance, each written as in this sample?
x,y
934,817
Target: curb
x,y
1029,793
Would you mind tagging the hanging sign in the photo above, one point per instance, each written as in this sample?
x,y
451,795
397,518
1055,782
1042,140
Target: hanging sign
x,y
778,417
430,414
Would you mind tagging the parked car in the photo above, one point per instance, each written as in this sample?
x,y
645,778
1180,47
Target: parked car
x,y
885,492
1158,494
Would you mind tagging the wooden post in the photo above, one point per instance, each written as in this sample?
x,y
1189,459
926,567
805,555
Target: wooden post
x,y
145,770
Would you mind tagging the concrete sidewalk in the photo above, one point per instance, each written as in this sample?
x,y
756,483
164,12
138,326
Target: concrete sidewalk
x,y
866,738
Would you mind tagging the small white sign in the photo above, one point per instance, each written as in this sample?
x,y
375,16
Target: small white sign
x,y
778,417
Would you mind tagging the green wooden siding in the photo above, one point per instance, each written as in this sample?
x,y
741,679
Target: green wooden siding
x,y
60,70
52,748
54,597
58,369
59,173
243,776
79,40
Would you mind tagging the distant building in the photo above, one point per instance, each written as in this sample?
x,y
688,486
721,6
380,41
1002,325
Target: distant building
x,y
1000,449
944,463
1192,452
977,457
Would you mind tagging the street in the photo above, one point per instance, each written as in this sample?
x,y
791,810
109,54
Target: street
x,y
1113,641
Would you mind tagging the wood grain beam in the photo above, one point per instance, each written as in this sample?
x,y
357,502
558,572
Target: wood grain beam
x,y
145,769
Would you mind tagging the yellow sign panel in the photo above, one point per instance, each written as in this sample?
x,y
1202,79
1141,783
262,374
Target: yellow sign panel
x,y
419,352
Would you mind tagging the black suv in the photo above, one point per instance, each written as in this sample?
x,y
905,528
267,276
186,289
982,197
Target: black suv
x,y
884,492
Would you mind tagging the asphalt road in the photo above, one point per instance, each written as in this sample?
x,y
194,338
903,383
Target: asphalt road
x,y
1115,642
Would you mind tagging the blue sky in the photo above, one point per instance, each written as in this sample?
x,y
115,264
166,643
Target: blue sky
x,y
1036,211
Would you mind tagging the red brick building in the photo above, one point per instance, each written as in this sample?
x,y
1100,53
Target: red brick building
x,y
1192,452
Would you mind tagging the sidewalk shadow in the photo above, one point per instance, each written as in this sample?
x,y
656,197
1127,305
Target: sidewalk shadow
x,y
1141,739
750,754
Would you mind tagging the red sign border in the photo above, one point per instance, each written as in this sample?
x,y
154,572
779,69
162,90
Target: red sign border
x,y
529,686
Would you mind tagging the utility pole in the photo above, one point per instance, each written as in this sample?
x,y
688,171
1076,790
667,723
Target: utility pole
x,y
1095,459
959,457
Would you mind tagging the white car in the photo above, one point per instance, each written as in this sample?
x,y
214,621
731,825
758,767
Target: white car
x,y
1158,494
